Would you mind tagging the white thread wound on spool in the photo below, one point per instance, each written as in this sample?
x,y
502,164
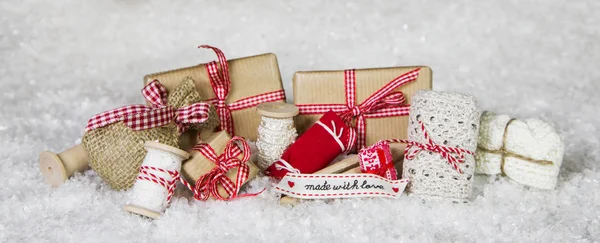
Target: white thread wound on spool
x,y
274,136
150,195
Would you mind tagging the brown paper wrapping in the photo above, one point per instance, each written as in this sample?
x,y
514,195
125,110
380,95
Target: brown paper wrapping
x,y
250,76
327,87
198,165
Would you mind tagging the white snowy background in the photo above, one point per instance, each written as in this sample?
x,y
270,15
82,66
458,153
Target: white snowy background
x,y
63,61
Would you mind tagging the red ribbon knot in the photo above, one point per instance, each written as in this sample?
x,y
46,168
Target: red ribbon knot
x,y
383,103
208,184
221,85
141,117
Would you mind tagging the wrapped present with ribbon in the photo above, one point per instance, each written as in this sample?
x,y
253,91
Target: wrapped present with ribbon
x,y
376,102
219,167
234,87
442,138
115,139
528,151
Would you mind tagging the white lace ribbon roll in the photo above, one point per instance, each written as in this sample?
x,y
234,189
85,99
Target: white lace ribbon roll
x,y
155,183
274,136
276,132
452,121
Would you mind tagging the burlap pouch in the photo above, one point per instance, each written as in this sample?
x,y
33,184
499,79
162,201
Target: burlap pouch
x,y
116,151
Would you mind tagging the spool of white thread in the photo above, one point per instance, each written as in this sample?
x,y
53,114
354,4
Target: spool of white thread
x,y
276,131
147,197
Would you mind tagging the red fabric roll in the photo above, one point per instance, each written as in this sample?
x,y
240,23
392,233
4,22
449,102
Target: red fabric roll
x,y
316,148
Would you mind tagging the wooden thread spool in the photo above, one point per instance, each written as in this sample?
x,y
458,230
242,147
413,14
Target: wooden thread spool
x,y
276,131
57,168
149,198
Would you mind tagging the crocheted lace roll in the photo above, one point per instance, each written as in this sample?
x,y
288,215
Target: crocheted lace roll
x,y
451,120
528,151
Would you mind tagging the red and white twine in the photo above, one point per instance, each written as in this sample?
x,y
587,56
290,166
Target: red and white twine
x,y
146,174
453,155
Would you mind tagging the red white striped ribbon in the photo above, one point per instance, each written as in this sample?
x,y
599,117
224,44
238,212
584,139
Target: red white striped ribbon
x,y
208,183
221,85
146,174
383,103
453,155
141,117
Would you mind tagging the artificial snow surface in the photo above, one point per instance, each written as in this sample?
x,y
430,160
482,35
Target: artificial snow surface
x,y
63,61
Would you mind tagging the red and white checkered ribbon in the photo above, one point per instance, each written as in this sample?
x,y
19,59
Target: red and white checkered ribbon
x,y
221,85
146,174
208,183
383,103
453,155
140,117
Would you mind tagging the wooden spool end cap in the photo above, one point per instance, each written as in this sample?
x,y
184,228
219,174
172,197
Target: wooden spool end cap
x,y
277,110
52,168
141,211
166,148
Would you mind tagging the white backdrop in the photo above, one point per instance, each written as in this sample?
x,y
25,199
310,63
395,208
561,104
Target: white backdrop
x,y
63,61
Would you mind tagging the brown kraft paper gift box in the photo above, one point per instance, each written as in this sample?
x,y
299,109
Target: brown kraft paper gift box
x,y
198,165
250,76
328,87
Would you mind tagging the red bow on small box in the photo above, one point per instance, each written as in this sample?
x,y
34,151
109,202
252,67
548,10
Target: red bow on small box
x,y
383,103
141,117
208,184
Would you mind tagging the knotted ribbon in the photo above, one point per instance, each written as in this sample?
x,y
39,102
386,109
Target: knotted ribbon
x,y
141,117
453,155
221,85
385,102
208,184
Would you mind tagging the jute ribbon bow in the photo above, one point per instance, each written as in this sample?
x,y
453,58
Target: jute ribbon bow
x,y
453,155
208,184
221,85
383,103
141,117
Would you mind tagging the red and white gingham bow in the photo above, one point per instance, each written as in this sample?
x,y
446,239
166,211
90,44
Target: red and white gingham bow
x,y
413,148
208,183
221,85
383,103
140,117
